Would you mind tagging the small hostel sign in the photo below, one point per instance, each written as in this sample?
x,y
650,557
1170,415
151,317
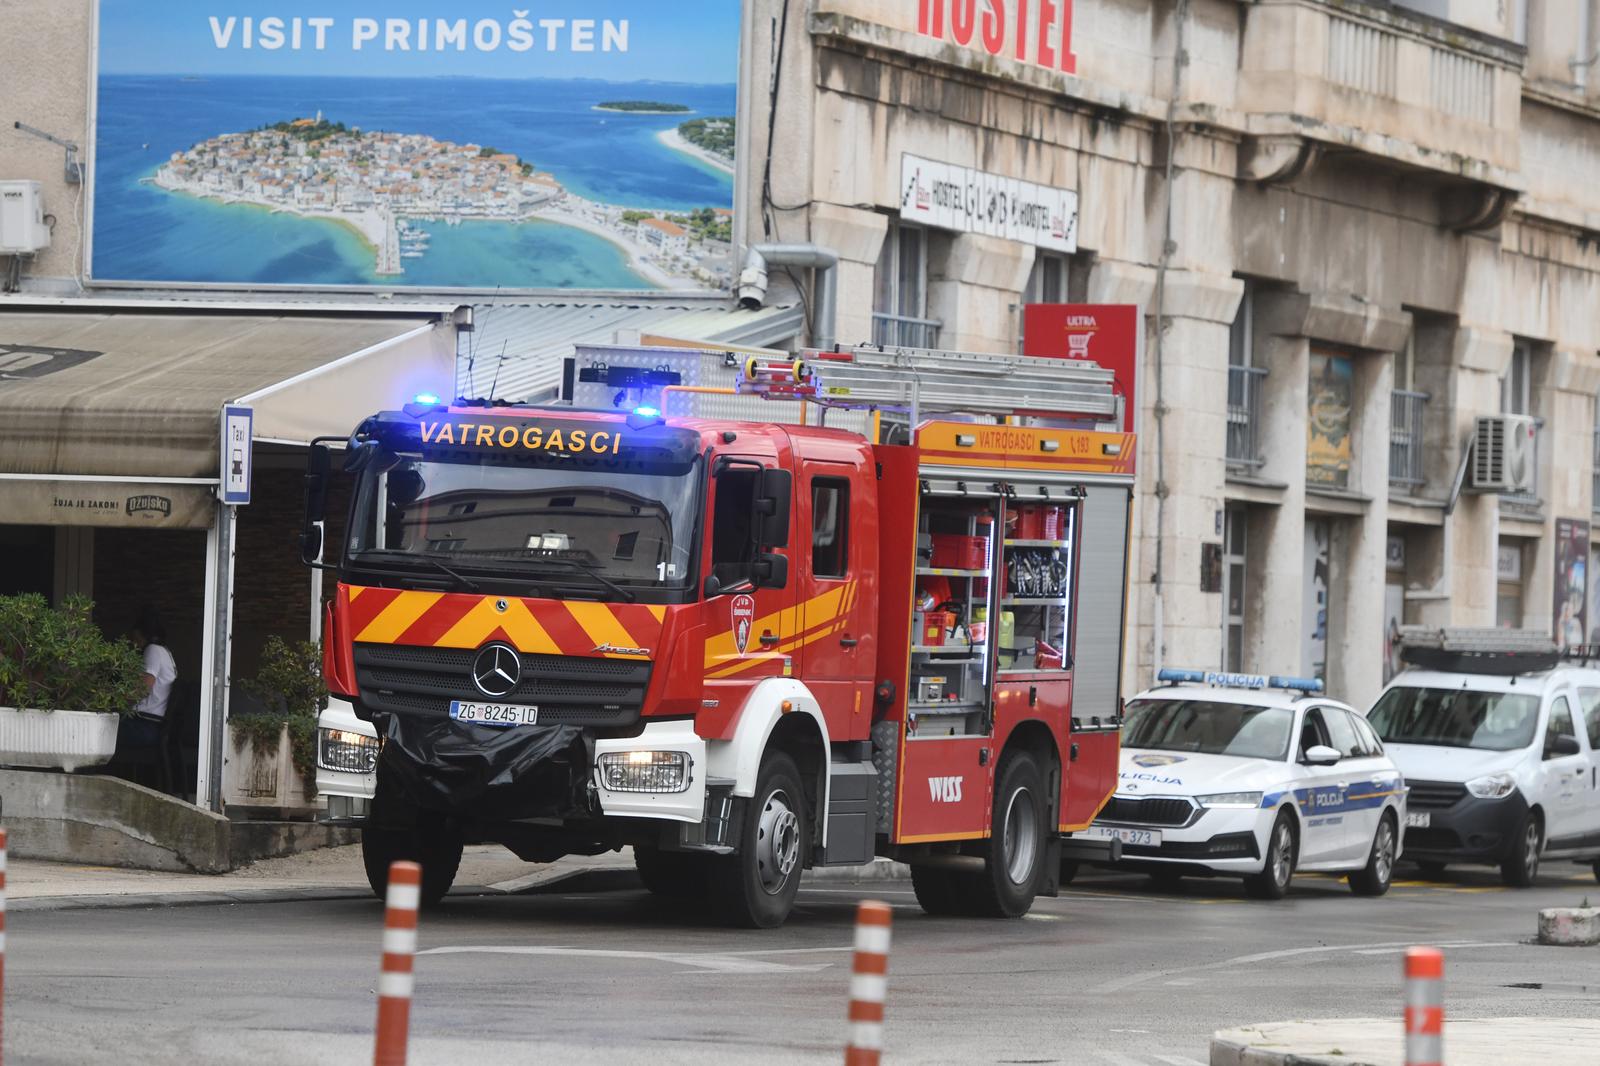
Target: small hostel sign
x,y
959,198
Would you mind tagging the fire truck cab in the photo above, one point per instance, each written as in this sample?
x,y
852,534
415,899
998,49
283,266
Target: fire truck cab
x,y
743,648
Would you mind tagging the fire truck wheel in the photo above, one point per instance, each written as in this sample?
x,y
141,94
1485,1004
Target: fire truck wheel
x,y
1010,879
937,890
673,875
757,886
436,846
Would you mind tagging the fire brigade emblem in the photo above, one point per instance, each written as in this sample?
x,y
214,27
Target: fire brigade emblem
x,y
744,616
1156,760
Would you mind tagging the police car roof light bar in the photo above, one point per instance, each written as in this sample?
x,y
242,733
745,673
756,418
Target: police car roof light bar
x,y
1251,681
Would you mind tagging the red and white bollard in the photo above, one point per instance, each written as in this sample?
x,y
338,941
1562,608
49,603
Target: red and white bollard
x,y
869,982
2,932
1424,1007
399,949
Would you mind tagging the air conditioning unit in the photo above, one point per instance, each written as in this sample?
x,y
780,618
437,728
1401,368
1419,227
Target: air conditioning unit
x,y
22,228
1504,448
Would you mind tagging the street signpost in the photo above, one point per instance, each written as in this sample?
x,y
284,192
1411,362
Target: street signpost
x,y
237,423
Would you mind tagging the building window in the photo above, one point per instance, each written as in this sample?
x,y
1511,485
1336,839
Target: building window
x,y
1245,384
1406,407
1047,284
1516,387
900,304
1508,585
1233,588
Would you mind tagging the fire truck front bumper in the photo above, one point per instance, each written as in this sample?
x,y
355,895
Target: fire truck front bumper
x,y
661,773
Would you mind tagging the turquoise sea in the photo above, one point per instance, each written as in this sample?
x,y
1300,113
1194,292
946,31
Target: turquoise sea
x,y
143,233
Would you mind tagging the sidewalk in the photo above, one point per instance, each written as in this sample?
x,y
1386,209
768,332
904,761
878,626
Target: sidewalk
x,y
329,873
1380,1042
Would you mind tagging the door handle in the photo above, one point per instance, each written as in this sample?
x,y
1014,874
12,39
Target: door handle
x,y
769,639
848,642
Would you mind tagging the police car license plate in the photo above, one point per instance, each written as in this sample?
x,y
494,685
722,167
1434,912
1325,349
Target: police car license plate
x,y
1141,838
494,713
1418,819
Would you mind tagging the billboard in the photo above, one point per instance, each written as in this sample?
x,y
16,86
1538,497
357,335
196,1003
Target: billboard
x,y
1570,608
578,144
1329,395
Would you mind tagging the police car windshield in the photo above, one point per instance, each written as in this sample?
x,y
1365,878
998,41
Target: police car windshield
x,y
1456,718
1209,728
626,528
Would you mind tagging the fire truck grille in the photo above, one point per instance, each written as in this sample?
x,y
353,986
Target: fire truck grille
x,y
568,690
1170,812
1434,795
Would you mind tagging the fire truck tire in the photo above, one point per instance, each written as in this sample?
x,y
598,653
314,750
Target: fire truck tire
x,y
1010,879
673,875
436,847
756,887
937,890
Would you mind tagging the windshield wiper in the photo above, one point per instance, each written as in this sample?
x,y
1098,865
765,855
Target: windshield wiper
x,y
433,561
592,571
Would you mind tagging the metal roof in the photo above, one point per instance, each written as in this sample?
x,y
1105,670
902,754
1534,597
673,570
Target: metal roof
x,y
517,349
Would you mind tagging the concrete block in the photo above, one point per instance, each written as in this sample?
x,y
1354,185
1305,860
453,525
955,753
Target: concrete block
x,y
1570,926
106,821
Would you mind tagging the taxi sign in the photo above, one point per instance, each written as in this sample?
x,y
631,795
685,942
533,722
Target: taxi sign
x,y
236,460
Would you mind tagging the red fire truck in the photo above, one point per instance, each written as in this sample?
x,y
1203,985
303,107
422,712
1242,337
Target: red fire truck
x,y
744,647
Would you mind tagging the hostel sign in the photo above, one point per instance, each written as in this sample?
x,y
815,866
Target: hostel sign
x,y
957,198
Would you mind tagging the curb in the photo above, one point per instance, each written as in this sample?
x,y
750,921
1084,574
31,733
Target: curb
x,y
1228,1053
123,901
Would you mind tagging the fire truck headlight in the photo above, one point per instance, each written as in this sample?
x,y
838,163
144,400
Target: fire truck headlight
x,y
645,771
340,749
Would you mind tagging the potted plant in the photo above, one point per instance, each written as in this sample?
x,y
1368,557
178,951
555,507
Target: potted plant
x,y
63,684
273,729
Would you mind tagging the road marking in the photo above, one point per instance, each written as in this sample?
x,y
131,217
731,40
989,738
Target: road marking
x,y
1179,1060
710,962
1271,956
1453,947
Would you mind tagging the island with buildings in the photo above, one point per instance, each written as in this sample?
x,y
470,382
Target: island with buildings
x,y
385,184
709,140
643,107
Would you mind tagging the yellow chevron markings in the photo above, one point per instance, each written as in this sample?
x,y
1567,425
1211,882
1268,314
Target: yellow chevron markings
x,y
398,617
355,590
520,625
603,627
658,609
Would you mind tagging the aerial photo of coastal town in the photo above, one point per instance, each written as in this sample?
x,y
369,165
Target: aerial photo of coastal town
x,y
391,186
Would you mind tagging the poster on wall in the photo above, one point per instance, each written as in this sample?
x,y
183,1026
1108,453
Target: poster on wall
x,y
1328,398
1571,584
1314,606
1594,595
581,145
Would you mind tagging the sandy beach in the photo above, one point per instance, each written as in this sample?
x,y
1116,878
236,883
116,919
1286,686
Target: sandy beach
x,y
635,252
674,140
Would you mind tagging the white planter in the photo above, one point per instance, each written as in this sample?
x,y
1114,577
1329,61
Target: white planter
x,y
266,779
66,740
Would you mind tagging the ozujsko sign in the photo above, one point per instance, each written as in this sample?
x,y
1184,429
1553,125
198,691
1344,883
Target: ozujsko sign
x,y
1029,31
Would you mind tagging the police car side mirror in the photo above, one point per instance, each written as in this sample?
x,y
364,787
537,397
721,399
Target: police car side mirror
x,y
1321,755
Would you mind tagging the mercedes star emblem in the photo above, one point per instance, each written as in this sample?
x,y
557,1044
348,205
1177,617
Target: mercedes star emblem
x,y
496,670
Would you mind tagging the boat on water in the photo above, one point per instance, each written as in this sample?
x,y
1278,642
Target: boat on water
x,y
411,255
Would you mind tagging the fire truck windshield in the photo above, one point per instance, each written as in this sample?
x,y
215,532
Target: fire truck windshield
x,y
618,530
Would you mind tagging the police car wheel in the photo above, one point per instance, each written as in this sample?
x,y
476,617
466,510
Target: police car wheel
x,y
1278,870
673,875
433,845
1521,868
1010,879
756,887
1373,879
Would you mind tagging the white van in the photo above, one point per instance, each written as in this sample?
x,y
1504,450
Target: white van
x,y
1500,746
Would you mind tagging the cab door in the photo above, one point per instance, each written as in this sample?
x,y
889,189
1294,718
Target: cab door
x,y
1564,778
1589,702
749,631
1362,797
836,645
1320,793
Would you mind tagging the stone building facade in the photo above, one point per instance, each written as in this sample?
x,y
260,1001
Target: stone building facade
x,y
1353,229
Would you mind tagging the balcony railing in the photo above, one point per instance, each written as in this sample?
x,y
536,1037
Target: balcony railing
x,y
1405,439
1244,416
904,330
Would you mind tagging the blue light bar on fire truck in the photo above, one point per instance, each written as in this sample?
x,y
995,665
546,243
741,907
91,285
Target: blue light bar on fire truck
x,y
1223,680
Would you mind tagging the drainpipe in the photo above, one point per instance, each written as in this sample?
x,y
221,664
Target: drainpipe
x,y
825,261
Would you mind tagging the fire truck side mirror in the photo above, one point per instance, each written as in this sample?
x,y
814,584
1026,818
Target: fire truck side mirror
x,y
318,466
772,510
770,570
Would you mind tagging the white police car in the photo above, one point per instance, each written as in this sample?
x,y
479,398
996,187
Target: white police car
x,y
1254,776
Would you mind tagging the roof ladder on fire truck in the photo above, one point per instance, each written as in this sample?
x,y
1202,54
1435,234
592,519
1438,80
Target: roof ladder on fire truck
x,y
921,381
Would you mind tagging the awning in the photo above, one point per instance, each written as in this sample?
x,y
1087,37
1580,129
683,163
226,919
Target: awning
x,y
517,350
94,401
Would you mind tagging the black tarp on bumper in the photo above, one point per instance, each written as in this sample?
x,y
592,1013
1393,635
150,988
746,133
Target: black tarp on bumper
x,y
534,771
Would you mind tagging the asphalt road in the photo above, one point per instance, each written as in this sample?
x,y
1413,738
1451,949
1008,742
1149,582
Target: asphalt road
x,y
1113,973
